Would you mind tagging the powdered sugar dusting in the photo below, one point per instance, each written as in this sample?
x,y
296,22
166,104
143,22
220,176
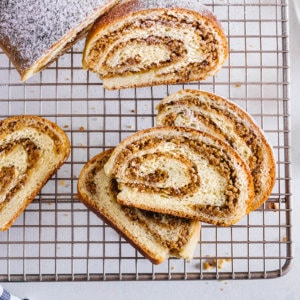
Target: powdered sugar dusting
x,y
28,28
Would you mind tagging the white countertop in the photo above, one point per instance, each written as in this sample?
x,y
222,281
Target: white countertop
x,y
286,287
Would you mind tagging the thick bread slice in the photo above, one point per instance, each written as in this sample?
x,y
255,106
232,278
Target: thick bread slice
x,y
33,33
183,172
156,236
144,43
31,150
224,119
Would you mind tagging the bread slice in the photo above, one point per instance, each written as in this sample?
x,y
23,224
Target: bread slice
x,y
183,172
31,150
144,43
156,236
33,33
209,112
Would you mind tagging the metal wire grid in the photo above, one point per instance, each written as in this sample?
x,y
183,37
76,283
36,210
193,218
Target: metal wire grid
x,y
57,238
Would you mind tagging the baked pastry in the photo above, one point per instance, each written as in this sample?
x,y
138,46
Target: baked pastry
x,y
144,43
216,115
156,236
33,33
31,150
183,172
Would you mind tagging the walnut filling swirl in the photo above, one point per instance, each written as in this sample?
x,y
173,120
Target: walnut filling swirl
x,y
168,46
171,232
202,157
198,114
13,177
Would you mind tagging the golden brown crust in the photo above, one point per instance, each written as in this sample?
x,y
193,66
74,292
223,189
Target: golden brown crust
x,y
61,147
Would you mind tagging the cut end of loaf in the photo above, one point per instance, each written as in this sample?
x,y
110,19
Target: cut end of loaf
x,y
151,46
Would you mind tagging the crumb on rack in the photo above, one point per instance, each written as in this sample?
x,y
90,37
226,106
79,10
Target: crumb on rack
x,y
81,128
273,206
215,263
237,85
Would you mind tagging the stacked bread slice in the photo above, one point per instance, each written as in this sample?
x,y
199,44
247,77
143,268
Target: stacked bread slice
x,y
142,43
156,236
224,119
182,172
31,150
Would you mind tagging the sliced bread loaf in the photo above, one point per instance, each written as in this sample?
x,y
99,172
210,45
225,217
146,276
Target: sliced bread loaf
x,y
31,150
226,120
183,172
156,236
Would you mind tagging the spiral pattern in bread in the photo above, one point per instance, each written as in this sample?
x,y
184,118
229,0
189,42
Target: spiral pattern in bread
x,y
224,119
142,43
156,236
182,172
31,150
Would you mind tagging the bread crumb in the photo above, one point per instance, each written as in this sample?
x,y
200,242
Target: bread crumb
x,y
129,126
66,126
81,128
62,183
273,206
237,85
214,263
284,239
133,110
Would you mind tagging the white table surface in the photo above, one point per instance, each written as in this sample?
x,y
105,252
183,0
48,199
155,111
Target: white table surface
x,y
286,287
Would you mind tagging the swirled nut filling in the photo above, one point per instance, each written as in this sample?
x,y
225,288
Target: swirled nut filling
x,y
251,139
167,224
33,154
211,153
175,48
14,126
160,175
177,229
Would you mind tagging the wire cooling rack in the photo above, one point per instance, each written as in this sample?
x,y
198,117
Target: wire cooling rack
x,y
57,238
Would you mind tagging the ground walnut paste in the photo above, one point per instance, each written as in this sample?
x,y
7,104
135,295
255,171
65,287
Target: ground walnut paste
x,y
146,219
176,48
154,181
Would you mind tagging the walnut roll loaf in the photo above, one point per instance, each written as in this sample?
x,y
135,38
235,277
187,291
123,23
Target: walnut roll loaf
x,y
144,43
